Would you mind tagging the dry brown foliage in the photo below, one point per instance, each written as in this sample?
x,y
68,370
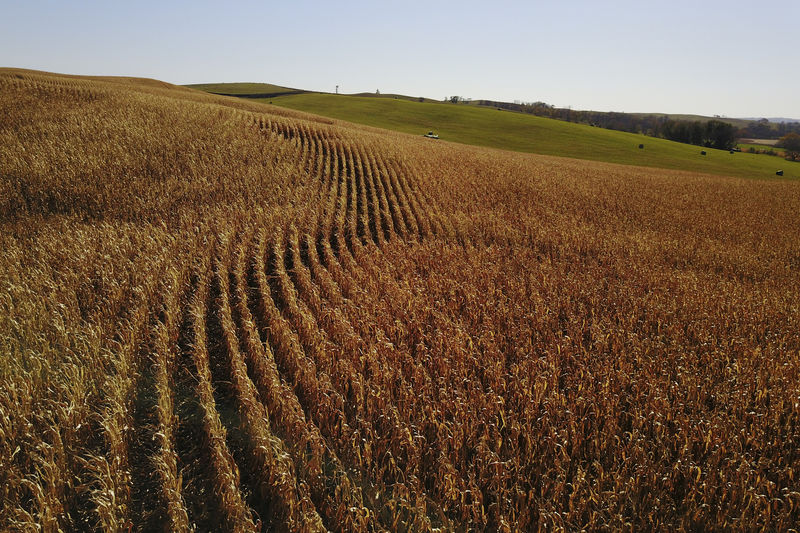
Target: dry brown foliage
x,y
218,315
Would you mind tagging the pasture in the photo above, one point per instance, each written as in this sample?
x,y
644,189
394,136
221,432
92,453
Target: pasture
x,y
506,130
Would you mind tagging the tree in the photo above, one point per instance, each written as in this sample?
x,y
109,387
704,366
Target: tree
x,y
712,134
760,129
791,143
721,135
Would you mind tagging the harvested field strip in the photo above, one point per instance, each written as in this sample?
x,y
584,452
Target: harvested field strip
x,y
399,221
295,507
268,478
157,498
345,505
410,218
362,212
381,200
217,467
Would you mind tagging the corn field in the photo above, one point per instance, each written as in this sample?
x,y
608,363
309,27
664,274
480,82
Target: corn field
x,y
218,315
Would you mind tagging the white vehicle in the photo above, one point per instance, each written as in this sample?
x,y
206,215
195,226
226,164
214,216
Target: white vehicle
x,y
431,135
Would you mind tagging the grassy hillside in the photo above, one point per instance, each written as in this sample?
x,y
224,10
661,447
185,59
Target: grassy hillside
x,y
217,315
395,97
763,149
526,133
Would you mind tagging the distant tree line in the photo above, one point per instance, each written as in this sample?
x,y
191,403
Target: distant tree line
x,y
764,129
714,133
457,99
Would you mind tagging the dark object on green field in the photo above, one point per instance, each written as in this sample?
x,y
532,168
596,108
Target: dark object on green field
x,y
431,135
732,152
702,152
779,173
641,146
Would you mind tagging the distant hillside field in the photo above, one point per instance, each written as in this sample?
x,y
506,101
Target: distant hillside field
x,y
244,89
763,149
526,133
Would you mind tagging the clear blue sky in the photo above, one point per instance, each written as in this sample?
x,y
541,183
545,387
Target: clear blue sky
x,y
730,58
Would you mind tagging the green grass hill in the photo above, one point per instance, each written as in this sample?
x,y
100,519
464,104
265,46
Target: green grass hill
x,y
506,130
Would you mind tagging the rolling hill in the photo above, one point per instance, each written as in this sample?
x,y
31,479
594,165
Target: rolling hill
x,y
220,315
492,128
245,90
